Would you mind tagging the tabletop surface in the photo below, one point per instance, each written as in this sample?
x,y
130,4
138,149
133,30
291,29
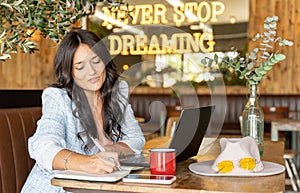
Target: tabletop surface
x,y
286,123
283,125
189,182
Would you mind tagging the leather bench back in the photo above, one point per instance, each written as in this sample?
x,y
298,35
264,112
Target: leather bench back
x,y
16,126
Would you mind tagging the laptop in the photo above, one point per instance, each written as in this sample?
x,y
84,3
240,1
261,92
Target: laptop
x,y
187,138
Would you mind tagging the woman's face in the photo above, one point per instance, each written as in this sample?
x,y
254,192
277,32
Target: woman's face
x,y
88,69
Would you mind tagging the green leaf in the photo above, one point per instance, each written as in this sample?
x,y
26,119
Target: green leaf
x,y
223,65
262,72
243,73
272,61
216,58
210,62
251,82
257,71
257,78
6,5
203,61
269,67
3,57
237,67
250,65
2,34
2,47
78,5
279,57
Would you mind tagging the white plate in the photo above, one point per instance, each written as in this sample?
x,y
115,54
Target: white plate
x,y
204,168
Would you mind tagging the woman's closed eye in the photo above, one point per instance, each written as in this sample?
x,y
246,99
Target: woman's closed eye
x,y
79,66
96,60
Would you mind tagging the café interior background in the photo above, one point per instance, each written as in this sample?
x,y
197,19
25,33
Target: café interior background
x,y
240,21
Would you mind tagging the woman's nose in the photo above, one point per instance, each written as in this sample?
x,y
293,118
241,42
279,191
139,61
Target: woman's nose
x,y
92,69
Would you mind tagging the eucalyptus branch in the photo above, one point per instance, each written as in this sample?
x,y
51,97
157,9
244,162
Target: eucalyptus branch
x,y
254,67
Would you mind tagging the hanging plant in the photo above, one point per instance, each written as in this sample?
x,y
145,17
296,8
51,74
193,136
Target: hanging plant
x,y
51,18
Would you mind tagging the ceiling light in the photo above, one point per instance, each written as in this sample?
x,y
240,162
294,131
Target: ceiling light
x,y
232,19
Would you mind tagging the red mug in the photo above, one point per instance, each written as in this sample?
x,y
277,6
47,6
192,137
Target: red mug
x,y
163,161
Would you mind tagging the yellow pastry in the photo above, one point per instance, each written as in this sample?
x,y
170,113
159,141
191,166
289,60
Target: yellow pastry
x,y
225,166
247,163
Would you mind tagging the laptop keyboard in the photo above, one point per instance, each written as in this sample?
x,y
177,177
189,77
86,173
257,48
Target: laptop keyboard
x,y
135,160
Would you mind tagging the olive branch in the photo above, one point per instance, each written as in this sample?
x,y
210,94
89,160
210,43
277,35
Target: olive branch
x,y
51,18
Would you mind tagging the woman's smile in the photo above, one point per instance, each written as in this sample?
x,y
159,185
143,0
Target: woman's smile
x,y
94,80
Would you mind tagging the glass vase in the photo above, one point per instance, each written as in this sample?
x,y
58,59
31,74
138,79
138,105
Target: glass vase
x,y
253,119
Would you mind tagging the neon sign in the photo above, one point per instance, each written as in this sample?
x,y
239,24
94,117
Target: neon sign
x,y
178,43
147,14
157,13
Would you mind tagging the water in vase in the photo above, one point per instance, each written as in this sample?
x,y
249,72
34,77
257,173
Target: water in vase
x,y
253,120
254,127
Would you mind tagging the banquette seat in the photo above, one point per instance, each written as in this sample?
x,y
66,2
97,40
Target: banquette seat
x,y
16,125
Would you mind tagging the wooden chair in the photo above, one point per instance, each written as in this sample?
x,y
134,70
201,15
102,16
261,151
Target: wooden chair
x,y
272,113
173,111
171,125
140,119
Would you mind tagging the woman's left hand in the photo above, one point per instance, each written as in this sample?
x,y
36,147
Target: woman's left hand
x,y
120,148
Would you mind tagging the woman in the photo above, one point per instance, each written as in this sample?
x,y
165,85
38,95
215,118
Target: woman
x,y
88,102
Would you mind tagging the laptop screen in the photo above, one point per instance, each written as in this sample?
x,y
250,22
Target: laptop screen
x,y
187,138
190,131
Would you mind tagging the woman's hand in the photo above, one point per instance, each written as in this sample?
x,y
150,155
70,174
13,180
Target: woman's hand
x,y
101,163
120,148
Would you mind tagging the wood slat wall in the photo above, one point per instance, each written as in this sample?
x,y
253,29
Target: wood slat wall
x,y
29,71
284,77
35,71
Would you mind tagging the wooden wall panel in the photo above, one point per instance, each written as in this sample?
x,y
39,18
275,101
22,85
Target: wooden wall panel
x,y
295,71
29,71
284,77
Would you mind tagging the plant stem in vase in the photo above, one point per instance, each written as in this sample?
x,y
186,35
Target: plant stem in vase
x,y
253,119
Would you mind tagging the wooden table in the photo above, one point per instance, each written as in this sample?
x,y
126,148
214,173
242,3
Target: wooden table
x,y
188,182
283,125
150,135
289,125
291,154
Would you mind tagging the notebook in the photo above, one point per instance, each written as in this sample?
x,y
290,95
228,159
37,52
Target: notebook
x,y
79,175
189,133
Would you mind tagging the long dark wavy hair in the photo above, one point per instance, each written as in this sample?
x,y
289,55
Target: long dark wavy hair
x,y
113,102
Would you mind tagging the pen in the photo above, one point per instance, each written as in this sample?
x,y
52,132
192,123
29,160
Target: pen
x,y
102,149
